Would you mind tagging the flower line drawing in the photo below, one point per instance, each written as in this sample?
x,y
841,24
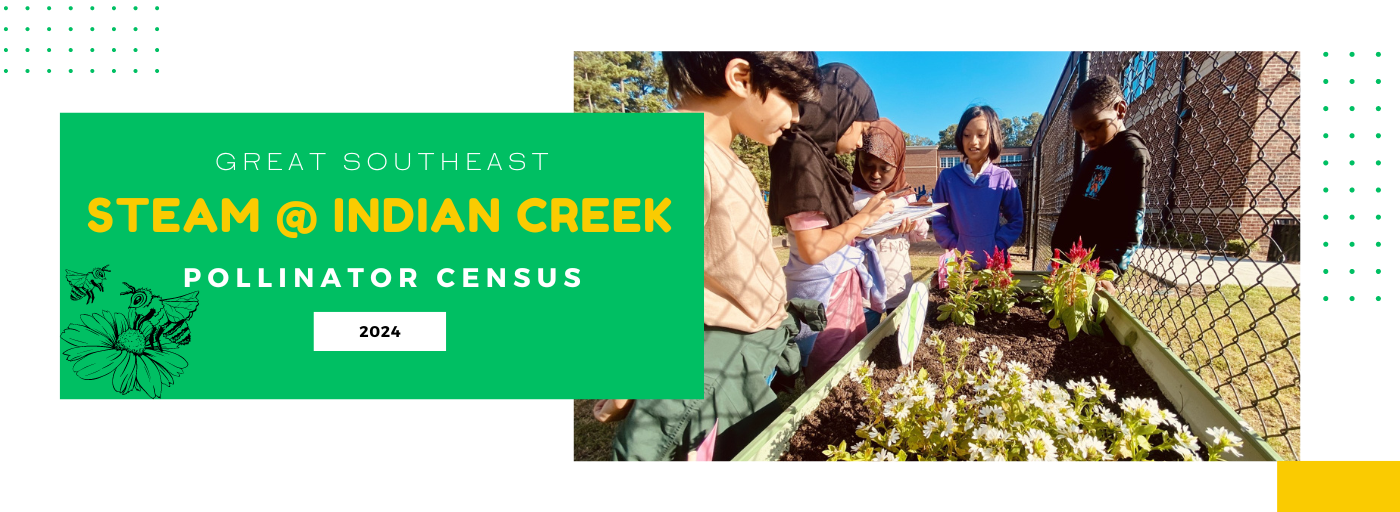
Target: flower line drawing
x,y
113,344
135,347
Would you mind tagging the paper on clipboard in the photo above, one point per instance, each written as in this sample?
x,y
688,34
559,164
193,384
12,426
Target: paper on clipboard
x,y
900,214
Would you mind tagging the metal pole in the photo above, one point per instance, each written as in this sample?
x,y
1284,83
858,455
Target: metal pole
x,y
1182,114
1083,75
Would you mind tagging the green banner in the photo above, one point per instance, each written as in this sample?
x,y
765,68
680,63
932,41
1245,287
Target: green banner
x,y
378,255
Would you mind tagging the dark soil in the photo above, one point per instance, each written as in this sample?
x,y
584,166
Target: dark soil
x,y
1023,335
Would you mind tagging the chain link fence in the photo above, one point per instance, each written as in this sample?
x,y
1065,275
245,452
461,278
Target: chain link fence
x,y
1217,273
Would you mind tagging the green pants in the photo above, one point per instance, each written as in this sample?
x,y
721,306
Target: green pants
x,y
737,396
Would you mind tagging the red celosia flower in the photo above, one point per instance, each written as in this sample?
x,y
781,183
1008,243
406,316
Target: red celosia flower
x,y
1092,267
1077,252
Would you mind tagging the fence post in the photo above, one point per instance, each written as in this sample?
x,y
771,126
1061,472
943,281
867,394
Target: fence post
x,y
1182,114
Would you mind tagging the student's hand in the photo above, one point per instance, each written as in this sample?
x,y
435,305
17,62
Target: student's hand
x,y
1107,287
905,226
877,207
609,411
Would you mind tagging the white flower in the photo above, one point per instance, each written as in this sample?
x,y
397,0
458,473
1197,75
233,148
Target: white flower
x,y
1184,438
1186,453
860,445
1105,415
1144,409
1226,440
929,427
1103,387
885,456
990,356
935,338
894,438
1172,420
902,413
1038,444
995,410
1088,447
990,434
964,342
1018,367
1082,388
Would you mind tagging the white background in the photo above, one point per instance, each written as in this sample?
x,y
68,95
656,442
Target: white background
x,y
516,57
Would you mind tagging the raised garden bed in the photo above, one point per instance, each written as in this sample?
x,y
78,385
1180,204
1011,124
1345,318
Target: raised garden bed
x,y
1132,359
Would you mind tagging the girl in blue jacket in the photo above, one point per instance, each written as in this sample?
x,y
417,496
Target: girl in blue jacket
x,y
978,193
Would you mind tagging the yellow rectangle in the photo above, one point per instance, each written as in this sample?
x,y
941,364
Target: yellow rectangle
x,y
1318,485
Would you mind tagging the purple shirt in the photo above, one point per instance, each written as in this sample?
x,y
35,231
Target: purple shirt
x,y
971,221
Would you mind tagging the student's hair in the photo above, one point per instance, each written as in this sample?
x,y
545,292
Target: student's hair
x,y
993,129
694,74
1099,92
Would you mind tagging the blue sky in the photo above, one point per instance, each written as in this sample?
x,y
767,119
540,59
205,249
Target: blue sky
x,y
924,92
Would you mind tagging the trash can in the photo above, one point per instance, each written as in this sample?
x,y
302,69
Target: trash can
x,y
1284,243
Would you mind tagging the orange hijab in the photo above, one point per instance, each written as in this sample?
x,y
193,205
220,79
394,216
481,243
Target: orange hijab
x,y
885,141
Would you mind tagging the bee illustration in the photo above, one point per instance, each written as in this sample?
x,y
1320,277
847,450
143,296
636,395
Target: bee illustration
x,y
83,283
170,317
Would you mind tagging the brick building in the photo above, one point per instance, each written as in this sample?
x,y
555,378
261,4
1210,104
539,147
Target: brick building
x,y
923,163
1223,131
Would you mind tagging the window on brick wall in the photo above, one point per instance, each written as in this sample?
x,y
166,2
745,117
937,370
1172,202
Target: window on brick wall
x,y
1006,159
945,162
1138,76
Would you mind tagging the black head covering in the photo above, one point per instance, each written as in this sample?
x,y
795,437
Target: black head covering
x,y
807,176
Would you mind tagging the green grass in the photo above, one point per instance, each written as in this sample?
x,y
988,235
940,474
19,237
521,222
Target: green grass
x,y
1233,339
592,440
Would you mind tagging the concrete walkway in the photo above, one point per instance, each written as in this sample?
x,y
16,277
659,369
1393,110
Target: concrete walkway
x,y
1187,267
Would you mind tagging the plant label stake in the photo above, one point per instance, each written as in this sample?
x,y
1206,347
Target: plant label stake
x,y
911,321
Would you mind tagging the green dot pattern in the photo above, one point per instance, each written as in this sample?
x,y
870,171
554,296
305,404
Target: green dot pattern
x,y
91,29
1351,121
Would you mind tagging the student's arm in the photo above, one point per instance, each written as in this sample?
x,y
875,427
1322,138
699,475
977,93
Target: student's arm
x,y
707,196
816,244
1130,206
1139,169
942,229
1013,210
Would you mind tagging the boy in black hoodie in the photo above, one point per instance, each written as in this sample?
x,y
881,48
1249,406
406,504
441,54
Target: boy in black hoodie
x,y
1108,197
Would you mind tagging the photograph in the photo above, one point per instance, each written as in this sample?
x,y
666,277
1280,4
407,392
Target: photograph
x,y
1073,255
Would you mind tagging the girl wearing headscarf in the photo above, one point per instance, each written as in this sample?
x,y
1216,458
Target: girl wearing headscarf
x,y
811,195
880,167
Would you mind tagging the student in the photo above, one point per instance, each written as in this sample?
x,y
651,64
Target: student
x,y
880,167
1107,197
748,329
811,196
978,193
